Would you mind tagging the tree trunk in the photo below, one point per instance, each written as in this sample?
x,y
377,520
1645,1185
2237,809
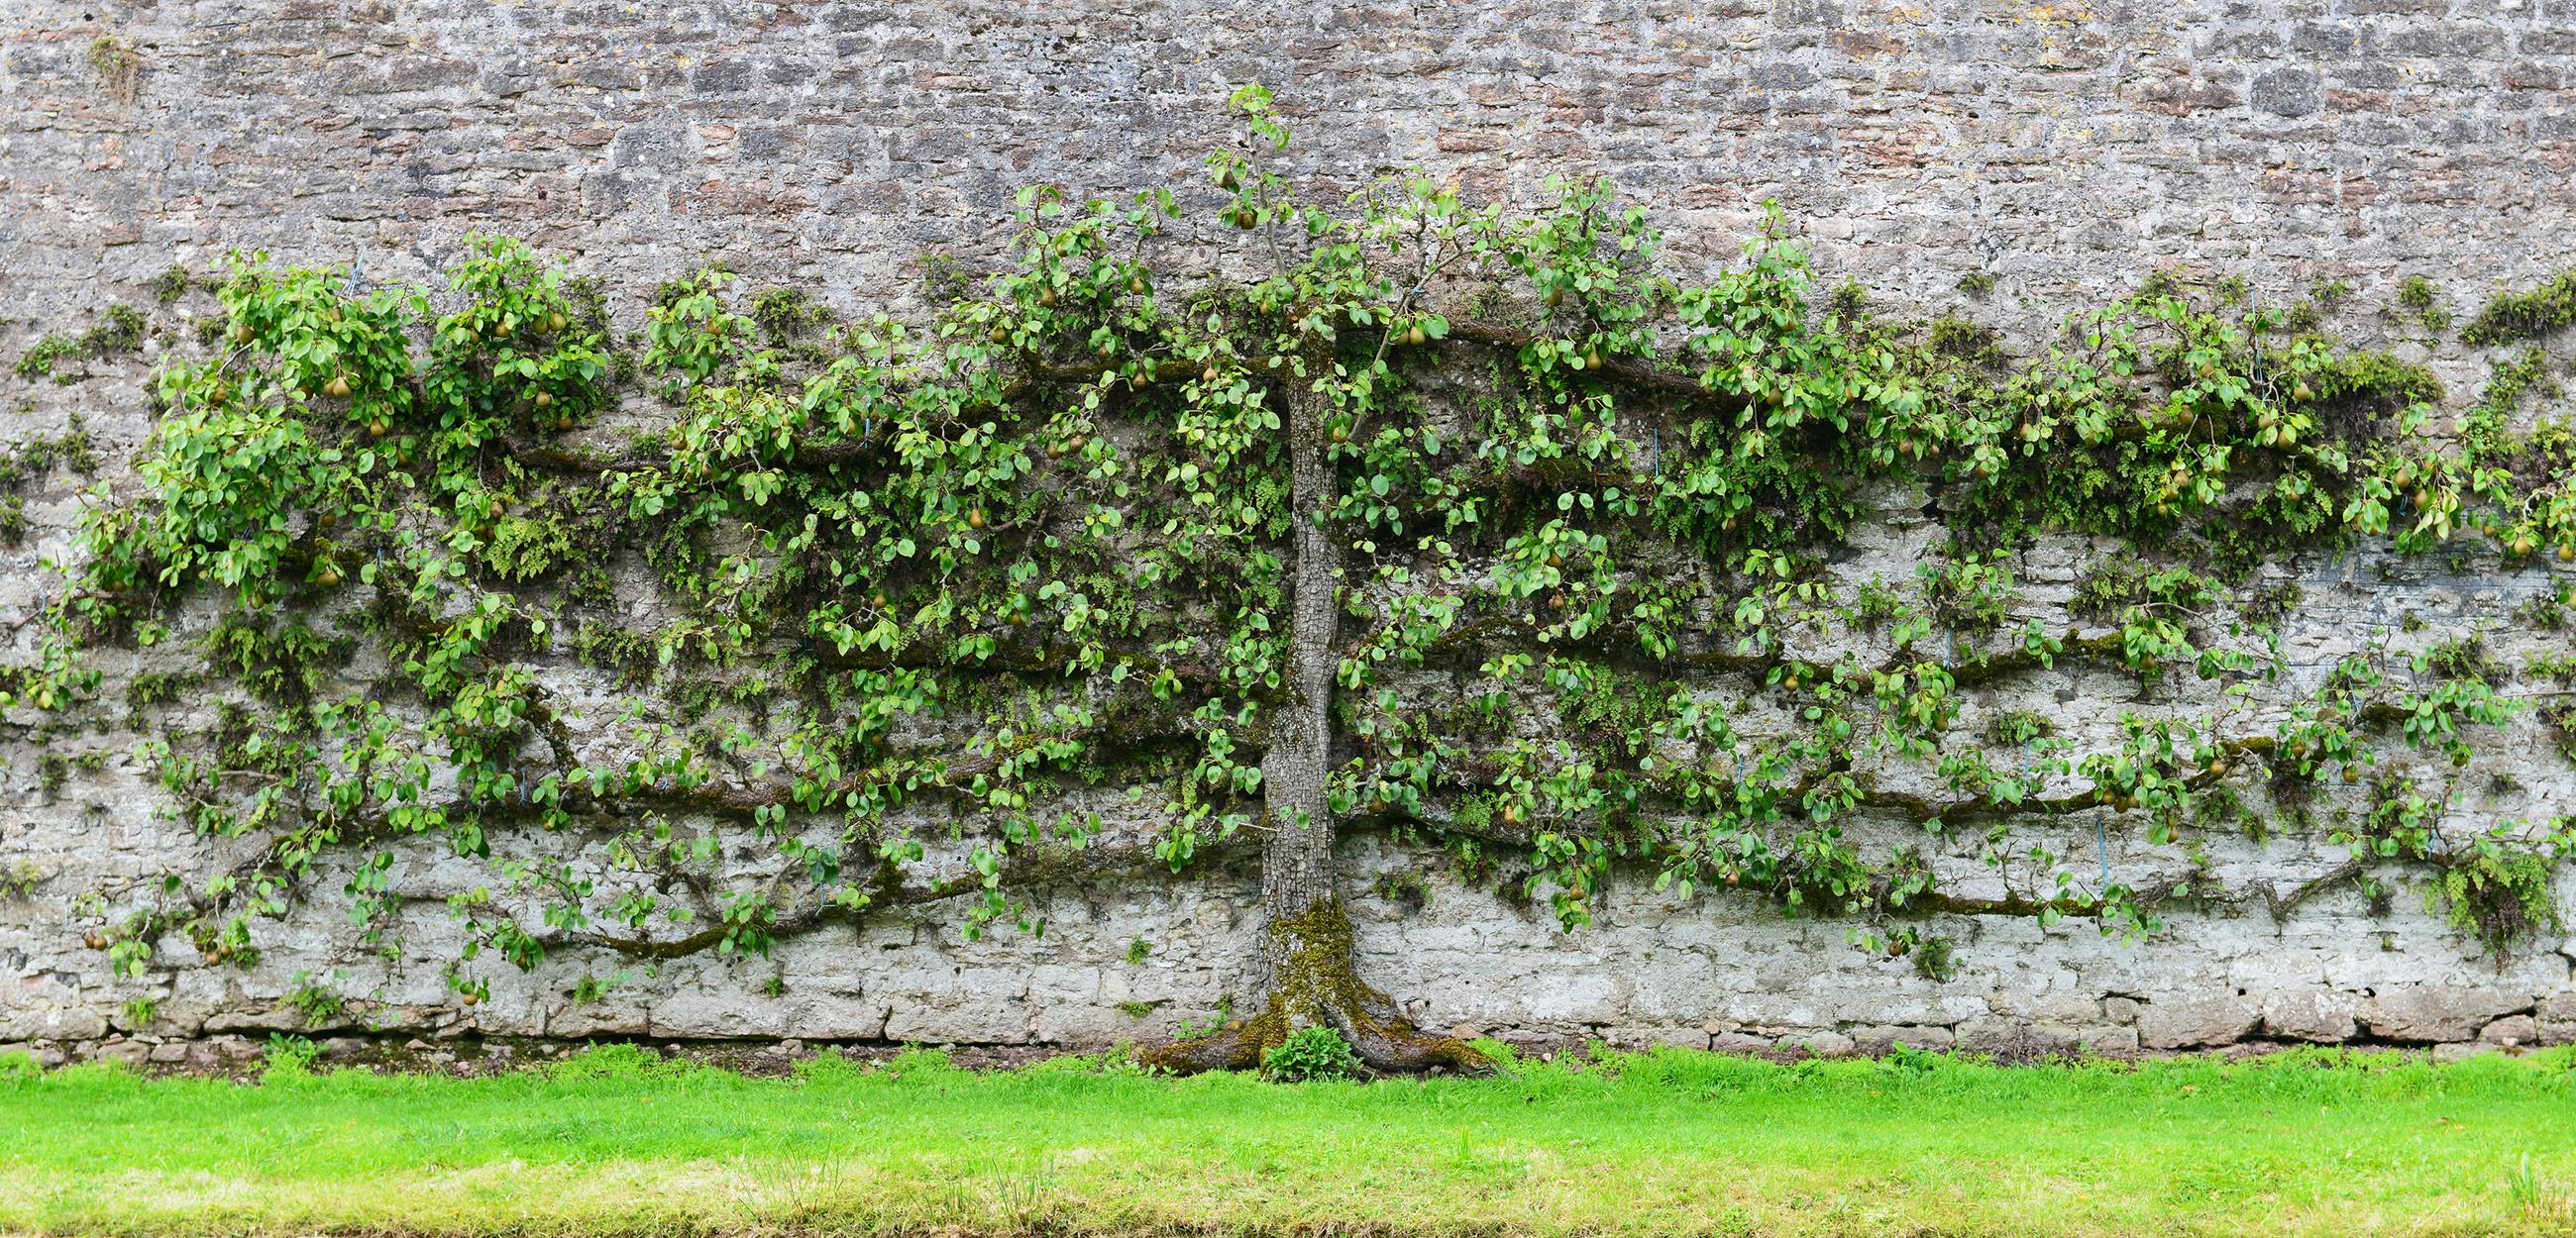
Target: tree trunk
x,y
1308,975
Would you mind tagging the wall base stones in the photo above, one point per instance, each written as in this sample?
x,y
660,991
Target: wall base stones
x,y
1723,971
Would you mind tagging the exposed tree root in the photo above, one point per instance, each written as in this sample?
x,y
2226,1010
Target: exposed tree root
x,y
1385,1042
1314,981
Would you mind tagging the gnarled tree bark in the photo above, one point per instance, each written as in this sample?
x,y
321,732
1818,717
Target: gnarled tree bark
x,y
1308,975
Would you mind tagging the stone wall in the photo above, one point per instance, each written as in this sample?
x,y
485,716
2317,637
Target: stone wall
x,y
2065,150
2062,148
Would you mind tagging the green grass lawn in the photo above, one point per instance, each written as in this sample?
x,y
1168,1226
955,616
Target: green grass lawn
x,y
615,1143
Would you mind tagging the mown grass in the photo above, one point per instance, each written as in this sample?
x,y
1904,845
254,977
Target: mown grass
x,y
616,1143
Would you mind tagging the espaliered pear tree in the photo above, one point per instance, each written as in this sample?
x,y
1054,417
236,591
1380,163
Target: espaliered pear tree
x,y
1447,520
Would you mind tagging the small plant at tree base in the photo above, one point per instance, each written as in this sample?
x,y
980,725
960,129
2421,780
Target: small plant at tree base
x,y
1311,1053
1201,1029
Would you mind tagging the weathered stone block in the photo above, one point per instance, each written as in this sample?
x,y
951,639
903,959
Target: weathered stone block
x,y
1880,1041
2311,1014
2436,1012
2557,1019
2196,1022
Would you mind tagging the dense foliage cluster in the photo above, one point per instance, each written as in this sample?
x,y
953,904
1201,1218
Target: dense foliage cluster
x,y
912,609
